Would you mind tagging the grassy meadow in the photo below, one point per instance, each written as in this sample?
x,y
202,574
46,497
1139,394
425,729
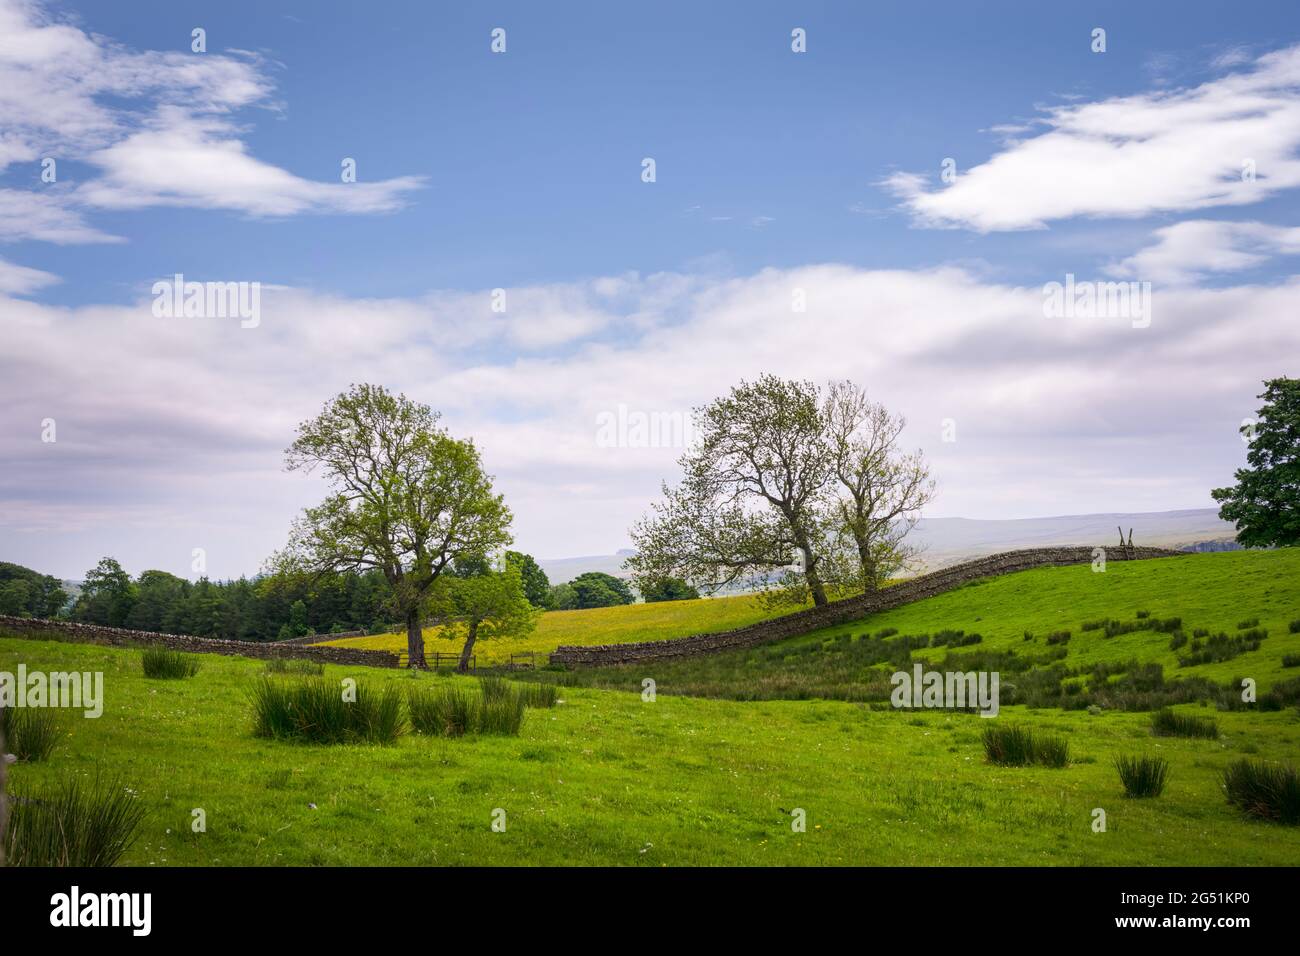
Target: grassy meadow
x,y
607,777
602,625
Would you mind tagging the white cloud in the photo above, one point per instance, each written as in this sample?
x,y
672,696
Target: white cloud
x,y
48,216
1192,249
1176,150
183,160
185,420
158,125
21,280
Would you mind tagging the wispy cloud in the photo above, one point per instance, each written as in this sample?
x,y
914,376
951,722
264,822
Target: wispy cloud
x,y
1195,248
158,125
1177,150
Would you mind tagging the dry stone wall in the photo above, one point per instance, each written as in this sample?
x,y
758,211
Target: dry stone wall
x,y
121,637
842,612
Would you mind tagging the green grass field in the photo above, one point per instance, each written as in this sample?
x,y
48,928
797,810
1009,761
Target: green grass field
x,y
1214,592
602,625
609,778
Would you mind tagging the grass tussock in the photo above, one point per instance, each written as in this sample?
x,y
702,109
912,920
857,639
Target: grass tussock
x,y
1169,723
539,695
442,711
31,733
497,709
1143,777
1018,746
1264,790
293,666
319,711
164,664
72,822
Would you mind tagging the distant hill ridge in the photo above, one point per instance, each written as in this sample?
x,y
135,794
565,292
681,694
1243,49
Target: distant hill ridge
x,y
951,540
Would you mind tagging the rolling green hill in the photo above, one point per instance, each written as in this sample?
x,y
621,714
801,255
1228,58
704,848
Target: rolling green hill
x,y
1213,593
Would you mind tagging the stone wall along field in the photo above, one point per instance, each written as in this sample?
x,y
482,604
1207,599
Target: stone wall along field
x,y
843,612
121,637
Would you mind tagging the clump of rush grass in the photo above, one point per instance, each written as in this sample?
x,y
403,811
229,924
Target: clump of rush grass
x,y
159,662
1264,790
1016,746
30,733
442,711
1144,776
301,668
320,711
498,708
539,695
1168,723
494,688
71,822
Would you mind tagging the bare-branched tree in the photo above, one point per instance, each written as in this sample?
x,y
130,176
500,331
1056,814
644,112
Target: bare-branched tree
x,y
879,490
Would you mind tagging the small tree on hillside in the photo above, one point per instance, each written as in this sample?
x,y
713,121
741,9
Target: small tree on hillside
x,y
407,499
481,605
879,490
1265,502
748,505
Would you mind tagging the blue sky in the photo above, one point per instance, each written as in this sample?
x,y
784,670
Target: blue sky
x,y
776,171
533,157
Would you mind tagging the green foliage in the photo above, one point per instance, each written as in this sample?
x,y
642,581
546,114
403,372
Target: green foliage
x,y
669,589
159,662
1142,777
597,589
315,710
1264,790
1265,502
107,595
1169,723
537,587
72,822
31,733
28,593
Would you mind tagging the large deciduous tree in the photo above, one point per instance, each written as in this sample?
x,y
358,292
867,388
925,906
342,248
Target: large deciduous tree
x,y
406,499
1265,502
750,502
879,490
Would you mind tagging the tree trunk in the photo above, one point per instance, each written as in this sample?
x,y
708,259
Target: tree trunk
x,y
811,576
470,637
868,565
414,641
